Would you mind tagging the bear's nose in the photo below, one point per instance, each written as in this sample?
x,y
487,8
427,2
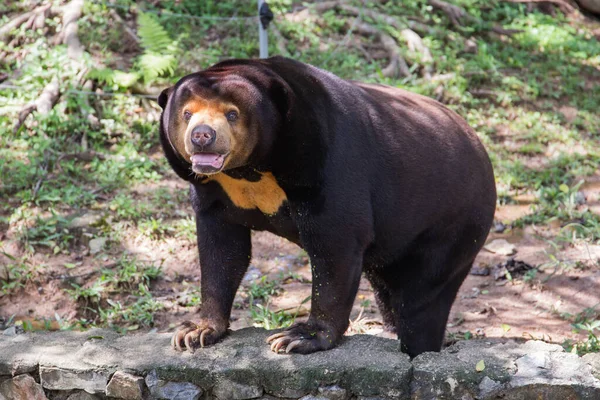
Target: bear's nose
x,y
203,135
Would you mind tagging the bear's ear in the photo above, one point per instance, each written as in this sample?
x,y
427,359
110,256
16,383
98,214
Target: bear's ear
x,y
163,97
282,95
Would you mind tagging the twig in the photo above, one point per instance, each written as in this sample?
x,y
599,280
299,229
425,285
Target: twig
x,y
84,275
486,93
364,51
126,28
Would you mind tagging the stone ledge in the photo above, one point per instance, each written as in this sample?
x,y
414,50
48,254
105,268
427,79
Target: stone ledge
x,y
98,363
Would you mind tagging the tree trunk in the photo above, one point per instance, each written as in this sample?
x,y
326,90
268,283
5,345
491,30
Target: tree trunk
x,y
590,5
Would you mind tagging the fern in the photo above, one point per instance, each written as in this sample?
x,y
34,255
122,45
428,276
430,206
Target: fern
x,y
114,77
154,65
153,37
158,58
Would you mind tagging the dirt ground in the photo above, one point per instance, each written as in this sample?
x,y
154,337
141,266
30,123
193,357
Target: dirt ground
x,y
538,305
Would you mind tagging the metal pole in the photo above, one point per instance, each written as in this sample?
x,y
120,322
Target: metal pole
x,y
263,38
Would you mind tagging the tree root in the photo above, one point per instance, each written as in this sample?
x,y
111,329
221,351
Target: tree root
x,y
566,6
397,65
374,15
30,18
415,44
48,98
456,13
68,34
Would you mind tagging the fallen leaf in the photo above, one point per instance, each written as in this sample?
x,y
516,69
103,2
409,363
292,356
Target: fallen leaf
x,y
501,246
480,366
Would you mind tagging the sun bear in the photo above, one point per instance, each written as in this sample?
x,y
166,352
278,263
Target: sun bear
x,y
366,178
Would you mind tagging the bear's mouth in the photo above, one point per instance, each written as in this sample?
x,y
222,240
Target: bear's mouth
x,y
206,163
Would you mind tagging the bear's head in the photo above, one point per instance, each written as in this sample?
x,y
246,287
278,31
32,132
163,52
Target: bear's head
x,y
224,117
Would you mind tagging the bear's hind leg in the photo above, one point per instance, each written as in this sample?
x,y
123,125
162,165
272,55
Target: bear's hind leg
x,y
383,299
422,313
424,282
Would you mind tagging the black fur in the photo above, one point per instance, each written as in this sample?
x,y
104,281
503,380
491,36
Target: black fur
x,y
378,180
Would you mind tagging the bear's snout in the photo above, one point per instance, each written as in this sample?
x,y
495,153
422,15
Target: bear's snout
x,y
203,136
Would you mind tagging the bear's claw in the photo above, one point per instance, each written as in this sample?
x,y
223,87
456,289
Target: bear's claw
x,y
192,336
300,338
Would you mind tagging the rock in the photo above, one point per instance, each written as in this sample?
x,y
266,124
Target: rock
x,y
451,374
22,387
499,227
252,273
480,270
226,389
126,386
471,46
287,393
241,366
501,246
14,361
83,395
561,375
512,371
97,244
511,268
84,221
488,386
161,389
333,393
593,360
12,331
91,380
311,397
364,365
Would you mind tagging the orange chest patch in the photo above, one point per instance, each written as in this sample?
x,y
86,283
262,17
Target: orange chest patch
x,y
265,194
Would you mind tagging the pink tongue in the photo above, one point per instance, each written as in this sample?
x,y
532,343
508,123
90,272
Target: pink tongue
x,y
212,159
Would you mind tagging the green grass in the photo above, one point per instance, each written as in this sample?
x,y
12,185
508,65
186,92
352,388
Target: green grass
x,y
120,297
588,322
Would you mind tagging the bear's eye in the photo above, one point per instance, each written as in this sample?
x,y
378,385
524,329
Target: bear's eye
x,y
231,116
187,116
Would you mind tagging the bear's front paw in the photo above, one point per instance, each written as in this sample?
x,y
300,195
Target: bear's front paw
x,y
303,338
192,336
